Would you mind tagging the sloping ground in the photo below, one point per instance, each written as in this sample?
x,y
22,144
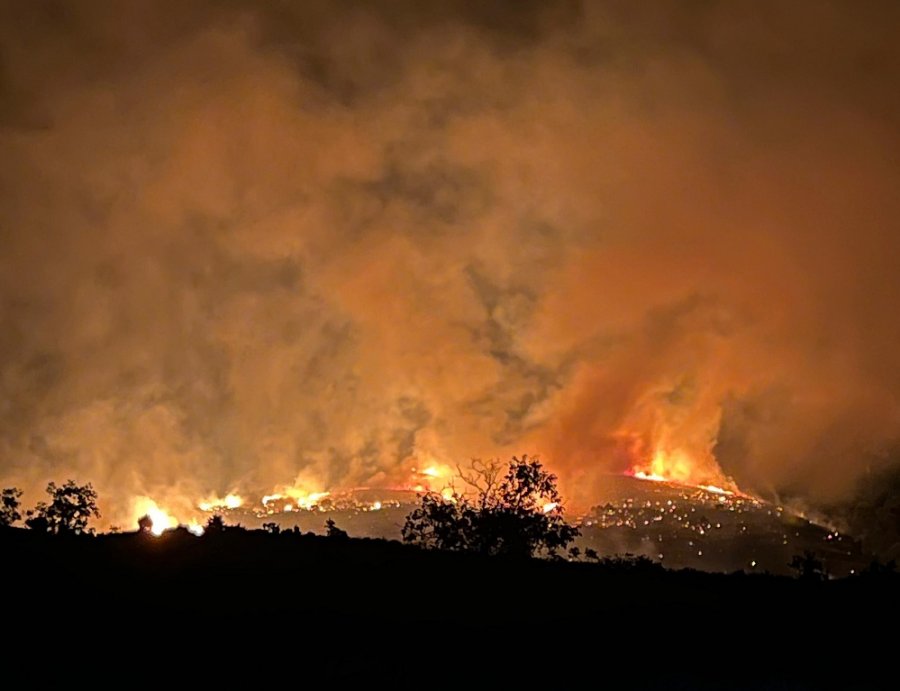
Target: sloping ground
x,y
678,526
689,527
246,609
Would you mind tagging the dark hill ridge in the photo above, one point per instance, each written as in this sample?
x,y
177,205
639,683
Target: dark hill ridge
x,y
379,612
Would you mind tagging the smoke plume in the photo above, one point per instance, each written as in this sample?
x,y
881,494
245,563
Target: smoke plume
x,y
248,245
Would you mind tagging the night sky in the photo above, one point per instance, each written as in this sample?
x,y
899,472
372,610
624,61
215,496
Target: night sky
x,y
248,245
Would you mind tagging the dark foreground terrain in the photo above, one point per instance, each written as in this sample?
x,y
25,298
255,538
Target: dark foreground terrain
x,y
247,609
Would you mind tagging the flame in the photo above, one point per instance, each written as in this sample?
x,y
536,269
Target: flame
x,y
432,478
195,528
162,521
549,506
716,490
308,500
229,501
679,467
653,477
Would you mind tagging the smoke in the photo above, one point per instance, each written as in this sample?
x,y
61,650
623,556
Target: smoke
x,y
248,245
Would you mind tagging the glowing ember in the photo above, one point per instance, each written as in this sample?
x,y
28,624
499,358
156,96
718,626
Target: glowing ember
x,y
288,508
376,506
549,506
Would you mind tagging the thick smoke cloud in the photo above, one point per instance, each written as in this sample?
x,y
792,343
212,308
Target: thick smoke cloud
x,y
252,244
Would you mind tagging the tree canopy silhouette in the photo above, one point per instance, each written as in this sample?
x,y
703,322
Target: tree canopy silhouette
x,y
9,506
513,510
70,509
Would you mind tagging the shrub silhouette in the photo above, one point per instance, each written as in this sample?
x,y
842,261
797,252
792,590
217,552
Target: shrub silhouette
x,y
215,524
70,509
9,506
513,511
332,531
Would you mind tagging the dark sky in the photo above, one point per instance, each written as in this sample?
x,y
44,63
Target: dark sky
x,y
250,244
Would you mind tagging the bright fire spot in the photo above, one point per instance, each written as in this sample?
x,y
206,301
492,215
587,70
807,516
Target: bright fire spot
x,y
229,501
679,468
447,494
376,506
288,508
715,490
549,506
195,528
161,521
675,466
432,478
310,500
641,475
269,498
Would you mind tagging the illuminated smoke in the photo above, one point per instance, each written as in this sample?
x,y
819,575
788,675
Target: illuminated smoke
x,y
317,245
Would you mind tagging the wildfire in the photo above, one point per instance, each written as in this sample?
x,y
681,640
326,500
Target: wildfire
x,y
434,477
229,501
679,468
292,499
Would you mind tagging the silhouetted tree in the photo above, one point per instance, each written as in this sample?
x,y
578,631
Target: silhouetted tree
x,y
145,524
271,528
808,566
9,506
215,524
332,531
517,512
591,554
70,509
